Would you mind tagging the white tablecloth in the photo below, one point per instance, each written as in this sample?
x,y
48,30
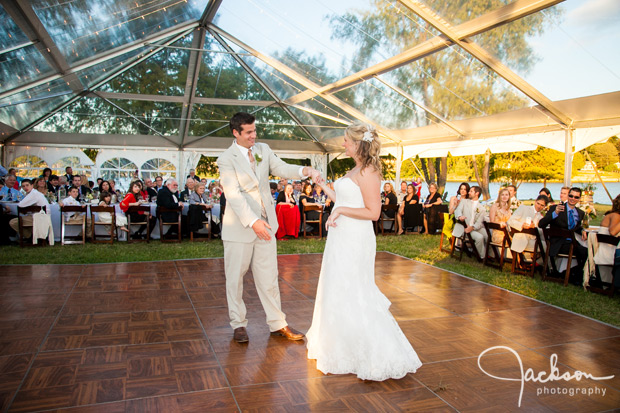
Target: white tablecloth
x,y
74,230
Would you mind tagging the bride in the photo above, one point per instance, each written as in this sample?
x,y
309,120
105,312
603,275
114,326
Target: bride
x,y
352,328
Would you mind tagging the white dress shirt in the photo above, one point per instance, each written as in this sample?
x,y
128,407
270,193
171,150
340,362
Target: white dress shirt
x,y
34,197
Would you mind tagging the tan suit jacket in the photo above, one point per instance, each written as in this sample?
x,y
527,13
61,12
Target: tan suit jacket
x,y
521,242
465,209
245,190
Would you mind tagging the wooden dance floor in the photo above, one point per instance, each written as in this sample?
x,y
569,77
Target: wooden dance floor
x,y
154,337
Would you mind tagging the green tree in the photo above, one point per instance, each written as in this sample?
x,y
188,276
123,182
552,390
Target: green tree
x,y
516,167
451,82
603,154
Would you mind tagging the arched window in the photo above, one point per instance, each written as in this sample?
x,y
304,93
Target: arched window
x,y
59,167
158,167
28,166
121,170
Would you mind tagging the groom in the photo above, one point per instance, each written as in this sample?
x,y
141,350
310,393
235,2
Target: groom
x,y
249,225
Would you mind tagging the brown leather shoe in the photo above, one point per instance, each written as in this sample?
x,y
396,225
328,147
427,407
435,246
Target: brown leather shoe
x,y
241,335
288,333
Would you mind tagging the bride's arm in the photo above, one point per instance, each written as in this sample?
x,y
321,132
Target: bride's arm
x,y
331,194
370,185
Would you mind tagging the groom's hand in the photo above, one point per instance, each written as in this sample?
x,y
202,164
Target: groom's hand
x,y
260,228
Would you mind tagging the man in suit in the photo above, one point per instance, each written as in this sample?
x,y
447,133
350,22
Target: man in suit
x,y
83,189
168,197
471,215
192,174
150,190
159,183
567,216
249,225
190,186
69,174
526,216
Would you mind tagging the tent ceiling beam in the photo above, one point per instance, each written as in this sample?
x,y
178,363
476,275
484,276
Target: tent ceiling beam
x,y
103,57
277,65
410,98
193,69
491,20
248,69
196,49
486,58
210,12
139,121
27,20
122,69
180,99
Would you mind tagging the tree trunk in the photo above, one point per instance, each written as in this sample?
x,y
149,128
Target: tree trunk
x,y
485,176
432,172
442,176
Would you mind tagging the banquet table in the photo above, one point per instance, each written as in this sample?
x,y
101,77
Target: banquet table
x,y
54,210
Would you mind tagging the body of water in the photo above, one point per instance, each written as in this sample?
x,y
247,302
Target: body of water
x,y
530,190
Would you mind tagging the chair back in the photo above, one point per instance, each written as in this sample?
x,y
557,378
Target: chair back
x,y
607,239
98,209
314,207
139,208
28,210
73,208
389,207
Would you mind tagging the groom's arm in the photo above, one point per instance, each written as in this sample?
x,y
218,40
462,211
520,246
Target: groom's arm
x,y
277,167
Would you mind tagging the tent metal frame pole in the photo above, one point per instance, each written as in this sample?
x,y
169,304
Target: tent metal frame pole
x,y
275,97
568,155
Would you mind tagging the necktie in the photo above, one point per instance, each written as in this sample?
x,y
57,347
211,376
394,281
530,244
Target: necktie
x,y
571,219
252,160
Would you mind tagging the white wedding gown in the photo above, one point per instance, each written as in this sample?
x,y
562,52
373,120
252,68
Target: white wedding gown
x,y
352,328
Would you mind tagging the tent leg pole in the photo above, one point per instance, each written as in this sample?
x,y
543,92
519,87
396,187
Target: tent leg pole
x,y
399,162
568,155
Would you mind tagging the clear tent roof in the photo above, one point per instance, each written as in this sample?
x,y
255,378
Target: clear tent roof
x,y
170,73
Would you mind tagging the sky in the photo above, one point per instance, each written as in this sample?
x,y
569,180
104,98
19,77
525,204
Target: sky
x,y
579,56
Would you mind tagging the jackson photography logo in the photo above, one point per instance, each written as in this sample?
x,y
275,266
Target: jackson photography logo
x,y
547,377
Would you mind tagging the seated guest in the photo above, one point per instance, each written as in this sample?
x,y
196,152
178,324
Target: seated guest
x,y
306,199
514,201
189,189
74,217
546,192
410,199
8,190
18,180
500,214
461,193
150,188
69,174
168,197
389,198
471,215
159,183
33,197
104,186
288,214
47,172
274,190
52,184
402,192
196,215
320,197
567,216
297,189
192,175
113,189
526,216
564,194
62,183
433,200
133,198
602,254
417,185
105,198
40,185
82,190
99,181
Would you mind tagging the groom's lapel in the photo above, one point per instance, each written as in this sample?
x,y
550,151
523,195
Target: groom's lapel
x,y
243,165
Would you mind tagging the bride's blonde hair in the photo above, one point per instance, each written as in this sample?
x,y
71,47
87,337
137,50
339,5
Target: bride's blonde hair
x,y
369,145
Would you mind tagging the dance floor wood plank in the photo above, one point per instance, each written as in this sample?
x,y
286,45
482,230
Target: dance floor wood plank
x,y
155,337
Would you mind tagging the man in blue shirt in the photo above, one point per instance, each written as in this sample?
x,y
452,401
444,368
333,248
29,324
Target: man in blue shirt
x,y
8,192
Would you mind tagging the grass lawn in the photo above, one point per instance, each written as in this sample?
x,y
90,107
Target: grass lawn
x,y
424,248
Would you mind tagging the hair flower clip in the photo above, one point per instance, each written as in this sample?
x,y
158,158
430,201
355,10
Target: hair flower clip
x,y
367,137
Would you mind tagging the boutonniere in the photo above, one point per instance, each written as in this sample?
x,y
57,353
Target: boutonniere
x,y
258,158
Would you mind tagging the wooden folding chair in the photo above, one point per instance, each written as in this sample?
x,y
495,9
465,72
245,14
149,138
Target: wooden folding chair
x,y
468,246
384,218
146,210
558,233
209,220
499,250
109,237
610,240
520,263
73,239
22,211
162,235
305,221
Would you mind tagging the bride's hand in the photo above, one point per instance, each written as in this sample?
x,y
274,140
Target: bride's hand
x,y
331,221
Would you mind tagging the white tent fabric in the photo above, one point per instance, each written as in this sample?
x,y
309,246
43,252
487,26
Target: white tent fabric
x,y
49,155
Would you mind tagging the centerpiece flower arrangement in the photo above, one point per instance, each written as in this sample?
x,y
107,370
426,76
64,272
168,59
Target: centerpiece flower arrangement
x,y
590,212
588,189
